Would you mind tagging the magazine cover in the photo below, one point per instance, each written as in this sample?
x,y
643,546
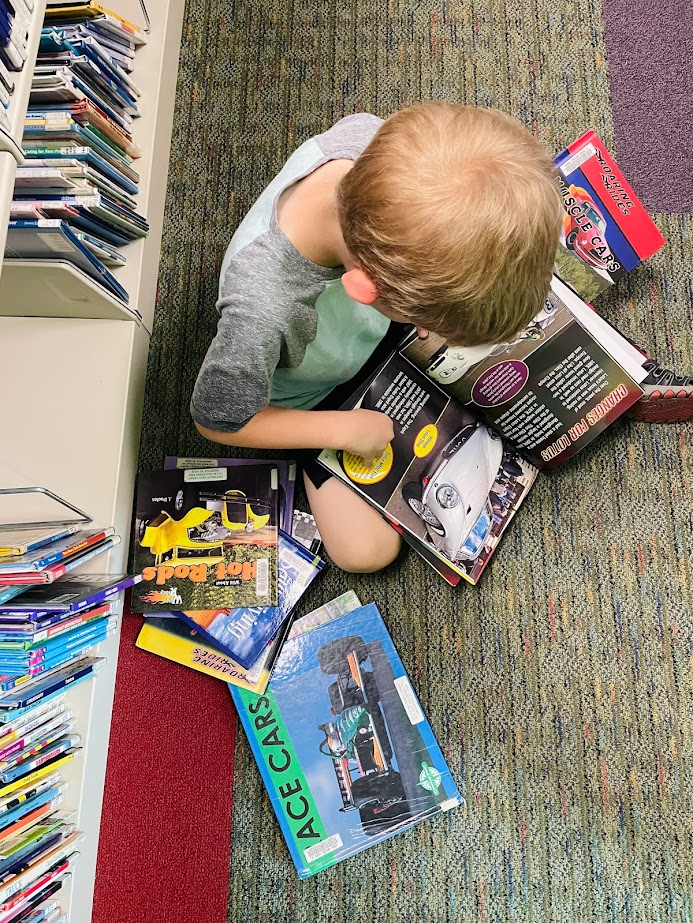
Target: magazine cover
x,y
206,538
243,633
550,391
448,480
286,470
342,744
605,225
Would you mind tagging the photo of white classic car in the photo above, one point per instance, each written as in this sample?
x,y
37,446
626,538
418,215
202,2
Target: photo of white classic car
x,y
453,495
450,363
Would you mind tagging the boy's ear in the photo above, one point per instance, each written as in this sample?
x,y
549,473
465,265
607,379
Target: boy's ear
x,y
359,286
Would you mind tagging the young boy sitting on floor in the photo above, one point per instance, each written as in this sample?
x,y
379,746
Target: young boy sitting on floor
x,y
444,216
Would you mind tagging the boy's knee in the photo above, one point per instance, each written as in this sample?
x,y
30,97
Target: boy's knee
x,y
366,556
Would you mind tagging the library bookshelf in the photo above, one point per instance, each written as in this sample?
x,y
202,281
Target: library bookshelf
x,y
72,371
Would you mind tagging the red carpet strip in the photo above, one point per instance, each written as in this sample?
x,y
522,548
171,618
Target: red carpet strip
x,y
166,823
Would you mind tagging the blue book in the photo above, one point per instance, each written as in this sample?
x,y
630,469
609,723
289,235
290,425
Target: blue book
x,y
24,858
244,633
11,679
85,155
26,807
70,594
341,741
51,239
77,135
10,592
28,694
42,557
56,47
18,662
23,634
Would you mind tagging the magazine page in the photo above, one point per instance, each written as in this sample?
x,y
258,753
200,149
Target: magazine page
x,y
206,539
551,390
342,743
447,480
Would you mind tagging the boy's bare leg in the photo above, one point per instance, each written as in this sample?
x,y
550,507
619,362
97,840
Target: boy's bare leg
x,y
356,537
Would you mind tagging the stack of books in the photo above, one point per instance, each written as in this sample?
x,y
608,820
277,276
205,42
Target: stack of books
x,y
49,624
224,560
74,198
342,744
15,18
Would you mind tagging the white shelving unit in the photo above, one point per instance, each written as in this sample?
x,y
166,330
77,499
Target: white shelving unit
x,y
72,371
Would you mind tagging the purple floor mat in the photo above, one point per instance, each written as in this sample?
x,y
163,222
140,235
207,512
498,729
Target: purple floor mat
x,y
650,48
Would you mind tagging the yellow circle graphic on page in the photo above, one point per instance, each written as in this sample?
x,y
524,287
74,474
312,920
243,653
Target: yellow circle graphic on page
x,y
360,473
425,441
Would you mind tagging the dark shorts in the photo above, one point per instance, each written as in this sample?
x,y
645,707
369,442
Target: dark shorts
x,y
307,458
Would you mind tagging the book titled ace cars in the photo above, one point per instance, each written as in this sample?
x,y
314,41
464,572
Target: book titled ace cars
x,y
206,539
343,746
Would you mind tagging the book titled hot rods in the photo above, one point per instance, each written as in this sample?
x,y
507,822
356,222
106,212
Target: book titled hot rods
x,y
206,539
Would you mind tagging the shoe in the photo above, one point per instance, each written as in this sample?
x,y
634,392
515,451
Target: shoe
x,y
668,397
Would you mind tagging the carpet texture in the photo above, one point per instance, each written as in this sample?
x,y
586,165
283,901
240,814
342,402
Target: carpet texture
x,y
166,822
560,688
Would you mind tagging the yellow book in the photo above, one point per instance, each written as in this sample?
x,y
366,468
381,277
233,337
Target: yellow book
x,y
173,639
88,9
37,774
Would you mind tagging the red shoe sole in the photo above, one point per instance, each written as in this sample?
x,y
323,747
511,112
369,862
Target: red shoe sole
x,y
663,410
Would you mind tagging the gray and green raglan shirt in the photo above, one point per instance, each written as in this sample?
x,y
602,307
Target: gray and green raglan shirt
x,y
288,333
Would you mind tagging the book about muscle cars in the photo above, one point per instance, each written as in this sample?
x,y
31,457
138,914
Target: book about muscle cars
x,y
341,741
206,538
604,225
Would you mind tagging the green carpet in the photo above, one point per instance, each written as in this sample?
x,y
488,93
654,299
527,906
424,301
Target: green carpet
x,y
560,688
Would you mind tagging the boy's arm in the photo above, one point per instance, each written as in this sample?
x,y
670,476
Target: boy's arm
x,y
363,432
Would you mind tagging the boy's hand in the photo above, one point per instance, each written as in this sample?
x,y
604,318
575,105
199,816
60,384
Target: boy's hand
x,y
367,434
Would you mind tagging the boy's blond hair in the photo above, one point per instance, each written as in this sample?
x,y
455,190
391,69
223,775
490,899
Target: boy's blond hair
x,y
454,212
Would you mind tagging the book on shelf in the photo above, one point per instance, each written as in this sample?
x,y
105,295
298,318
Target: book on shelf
x,y
98,15
25,635
343,746
53,572
74,200
52,239
21,541
474,425
60,550
206,538
69,596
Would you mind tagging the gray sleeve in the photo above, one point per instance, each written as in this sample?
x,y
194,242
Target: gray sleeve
x,y
267,317
235,380
350,136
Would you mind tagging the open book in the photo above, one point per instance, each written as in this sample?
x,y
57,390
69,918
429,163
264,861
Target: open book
x,y
474,425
